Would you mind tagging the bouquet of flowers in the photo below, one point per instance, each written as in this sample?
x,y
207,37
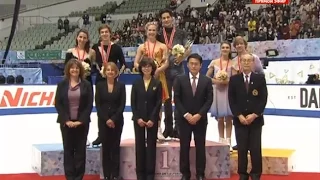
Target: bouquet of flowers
x,y
222,75
87,68
178,50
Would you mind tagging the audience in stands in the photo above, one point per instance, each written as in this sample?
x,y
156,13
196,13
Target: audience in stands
x,y
223,21
86,18
66,26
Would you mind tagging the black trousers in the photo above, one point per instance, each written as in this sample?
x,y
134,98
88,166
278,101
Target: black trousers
x,y
249,139
145,151
74,150
168,119
199,133
110,139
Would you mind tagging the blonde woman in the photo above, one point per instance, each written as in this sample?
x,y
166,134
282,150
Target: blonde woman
x,y
110,102
157,51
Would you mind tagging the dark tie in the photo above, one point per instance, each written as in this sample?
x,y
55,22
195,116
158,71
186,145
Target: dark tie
x,y
247,83
194,85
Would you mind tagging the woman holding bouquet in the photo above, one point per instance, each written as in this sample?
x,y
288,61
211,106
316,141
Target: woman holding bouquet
x,y
157,51
110,102
82,52
220,70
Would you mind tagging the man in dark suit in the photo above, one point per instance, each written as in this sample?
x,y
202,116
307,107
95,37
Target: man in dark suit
x,y
193,98
248,98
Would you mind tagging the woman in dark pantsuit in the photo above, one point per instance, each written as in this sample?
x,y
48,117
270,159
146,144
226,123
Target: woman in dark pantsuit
x,y
110,103
146,99
74,102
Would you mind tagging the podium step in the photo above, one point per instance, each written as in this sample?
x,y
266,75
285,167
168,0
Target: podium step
x,y
274,161
47,160
167,165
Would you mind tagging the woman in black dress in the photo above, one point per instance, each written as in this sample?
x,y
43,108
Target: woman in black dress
x,y
106,51
82,51
110,103
146,100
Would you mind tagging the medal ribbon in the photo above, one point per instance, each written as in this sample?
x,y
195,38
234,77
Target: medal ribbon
x,y
105,56
221,65
169,43
78,53
151,53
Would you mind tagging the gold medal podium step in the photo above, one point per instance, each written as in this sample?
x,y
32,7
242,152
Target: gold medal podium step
x,y
274,161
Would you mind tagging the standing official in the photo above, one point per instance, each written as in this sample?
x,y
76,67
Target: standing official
x,y
248,98
146,99
74,102
193,96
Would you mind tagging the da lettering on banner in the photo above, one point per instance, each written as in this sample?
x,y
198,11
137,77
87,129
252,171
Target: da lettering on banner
x,y
309,97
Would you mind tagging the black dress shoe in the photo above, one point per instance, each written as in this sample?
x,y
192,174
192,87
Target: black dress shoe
x,y
200,178
185,178
96,142
235,147
243,177
255,176
114,178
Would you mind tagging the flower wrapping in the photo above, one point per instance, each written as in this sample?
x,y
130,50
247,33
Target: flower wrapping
x,y
222,75
87,68
178,50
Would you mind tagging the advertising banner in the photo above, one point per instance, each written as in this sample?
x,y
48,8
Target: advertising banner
x,y
286,100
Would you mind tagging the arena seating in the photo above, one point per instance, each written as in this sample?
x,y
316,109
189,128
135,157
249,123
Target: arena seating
x,y
38,34
33,36
96,11
7,9
134,6
68,41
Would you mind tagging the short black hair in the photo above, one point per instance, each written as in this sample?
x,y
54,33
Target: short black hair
x,y
145,61
195,56
165,11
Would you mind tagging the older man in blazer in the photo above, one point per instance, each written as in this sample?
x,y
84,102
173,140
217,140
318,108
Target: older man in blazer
x,y
247,99
193,98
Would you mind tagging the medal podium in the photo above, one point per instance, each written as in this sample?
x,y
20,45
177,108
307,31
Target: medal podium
x,y
47,160
167,163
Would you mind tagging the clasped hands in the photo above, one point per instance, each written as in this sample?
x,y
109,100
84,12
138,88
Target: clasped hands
x,y
248,119
110,123
147,124
192,119
73,124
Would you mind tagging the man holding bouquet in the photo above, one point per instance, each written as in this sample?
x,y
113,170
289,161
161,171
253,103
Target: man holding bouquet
x,y
172,36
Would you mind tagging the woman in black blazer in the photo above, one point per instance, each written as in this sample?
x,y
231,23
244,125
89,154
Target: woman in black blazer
x,y
110,103
74,102
146,102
